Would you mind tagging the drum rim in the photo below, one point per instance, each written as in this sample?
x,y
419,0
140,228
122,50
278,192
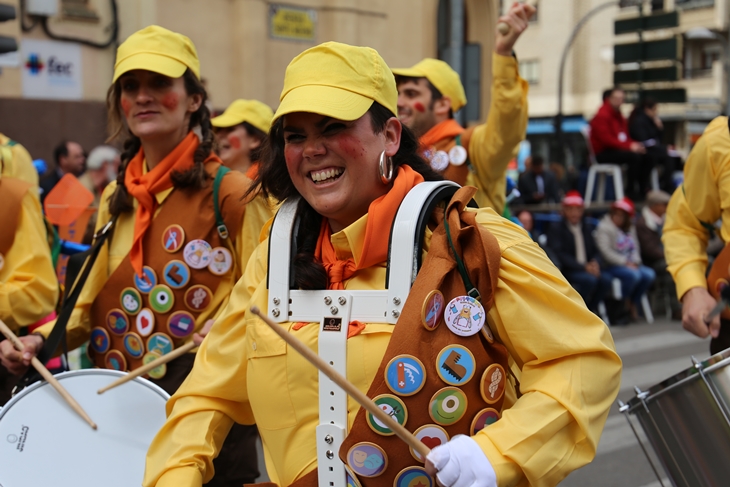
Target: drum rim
x,y
712,363
74,373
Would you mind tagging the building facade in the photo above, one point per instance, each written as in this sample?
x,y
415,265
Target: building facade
x,y
54,88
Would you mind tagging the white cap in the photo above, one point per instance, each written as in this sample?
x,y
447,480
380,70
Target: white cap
x,y
99,155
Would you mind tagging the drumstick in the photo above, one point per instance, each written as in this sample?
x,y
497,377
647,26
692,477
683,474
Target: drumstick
x,y
504,28
46,374
147,367
346,385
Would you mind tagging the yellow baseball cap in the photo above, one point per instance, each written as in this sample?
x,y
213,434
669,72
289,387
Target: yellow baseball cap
x,y
441,76
252,111
337,80
157,49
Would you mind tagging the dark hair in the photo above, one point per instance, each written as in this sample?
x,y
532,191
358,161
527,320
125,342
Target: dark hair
x,y
639,109
538,161
435,92
60,151
607,93
273,181
193,178
259,134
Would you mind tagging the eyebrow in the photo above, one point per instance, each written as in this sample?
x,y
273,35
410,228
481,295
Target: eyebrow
x,y
319,125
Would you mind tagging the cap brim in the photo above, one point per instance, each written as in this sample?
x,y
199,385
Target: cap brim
x,y
226,120
324,100
409,73
150,62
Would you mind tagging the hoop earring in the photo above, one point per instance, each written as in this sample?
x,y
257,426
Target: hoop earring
x,y
385,168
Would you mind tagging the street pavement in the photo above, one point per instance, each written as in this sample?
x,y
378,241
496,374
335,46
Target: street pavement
x,y
650,354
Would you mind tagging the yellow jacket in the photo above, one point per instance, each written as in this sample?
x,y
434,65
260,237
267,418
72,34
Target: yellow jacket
x,y
17,163
701,201
494,144
111,255
245,373
28,284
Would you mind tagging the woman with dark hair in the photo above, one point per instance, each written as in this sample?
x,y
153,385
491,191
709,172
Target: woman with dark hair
x,y
486,297
646,127
177,222
240,133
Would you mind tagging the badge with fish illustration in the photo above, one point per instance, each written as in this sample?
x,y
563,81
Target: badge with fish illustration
x,y
464,316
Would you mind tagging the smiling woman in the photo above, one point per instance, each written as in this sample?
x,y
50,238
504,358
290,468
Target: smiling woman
x,y
164,272
486,307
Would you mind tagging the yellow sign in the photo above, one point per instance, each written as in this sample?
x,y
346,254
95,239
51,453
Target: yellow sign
x,y
292,23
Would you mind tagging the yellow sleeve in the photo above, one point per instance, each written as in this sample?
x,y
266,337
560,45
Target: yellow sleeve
x,y
79,326
258,212
28,284
697,205
213,396
569,370
493,144
20,164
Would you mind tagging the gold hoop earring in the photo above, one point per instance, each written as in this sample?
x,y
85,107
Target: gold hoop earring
x,y
385,168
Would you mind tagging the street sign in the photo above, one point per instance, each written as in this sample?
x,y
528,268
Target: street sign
x,y
669,95
293,23
650,75
665,20
665,49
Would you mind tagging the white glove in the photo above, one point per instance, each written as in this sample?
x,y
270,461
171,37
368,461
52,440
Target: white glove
x,y
461,463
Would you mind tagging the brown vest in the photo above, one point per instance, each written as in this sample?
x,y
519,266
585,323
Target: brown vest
x,y
484,392
193,211
12,192
719,277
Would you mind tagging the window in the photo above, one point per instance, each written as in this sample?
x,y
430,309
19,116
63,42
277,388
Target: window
x,y
530,70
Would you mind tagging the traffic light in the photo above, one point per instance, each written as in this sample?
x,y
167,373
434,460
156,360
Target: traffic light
x,y
7,44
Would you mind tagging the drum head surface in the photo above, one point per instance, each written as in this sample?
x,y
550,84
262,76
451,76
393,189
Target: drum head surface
x,y
44,442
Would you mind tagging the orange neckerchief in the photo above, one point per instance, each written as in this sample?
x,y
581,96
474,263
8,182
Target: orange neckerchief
x,y
381,214
442,130
143,188
252,171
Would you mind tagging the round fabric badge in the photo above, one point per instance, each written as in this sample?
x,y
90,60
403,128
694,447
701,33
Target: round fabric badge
x,y
117,321
159,371
133,345
99,340
484,418
487,332
176,274
431,436
405,375
447,406
147,281
432,310
352,480
393,407
439,161
413,477
115,360
197,254
367,459
494,380
160,343
198,297
131,300
161,299
455,365
145,322
464,316
173,238
181,324
457,155
221,261
720,284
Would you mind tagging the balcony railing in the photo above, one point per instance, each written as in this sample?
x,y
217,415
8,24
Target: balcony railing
x,y
690,4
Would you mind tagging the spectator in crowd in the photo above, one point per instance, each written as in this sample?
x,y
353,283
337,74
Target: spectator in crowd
x,y
526,220
646,127
649,230
612,145
571,241
69,157
102,166
239,133
537,184
619,246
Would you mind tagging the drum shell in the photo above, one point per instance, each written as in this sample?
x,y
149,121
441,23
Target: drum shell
x,y
44,442
687,427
